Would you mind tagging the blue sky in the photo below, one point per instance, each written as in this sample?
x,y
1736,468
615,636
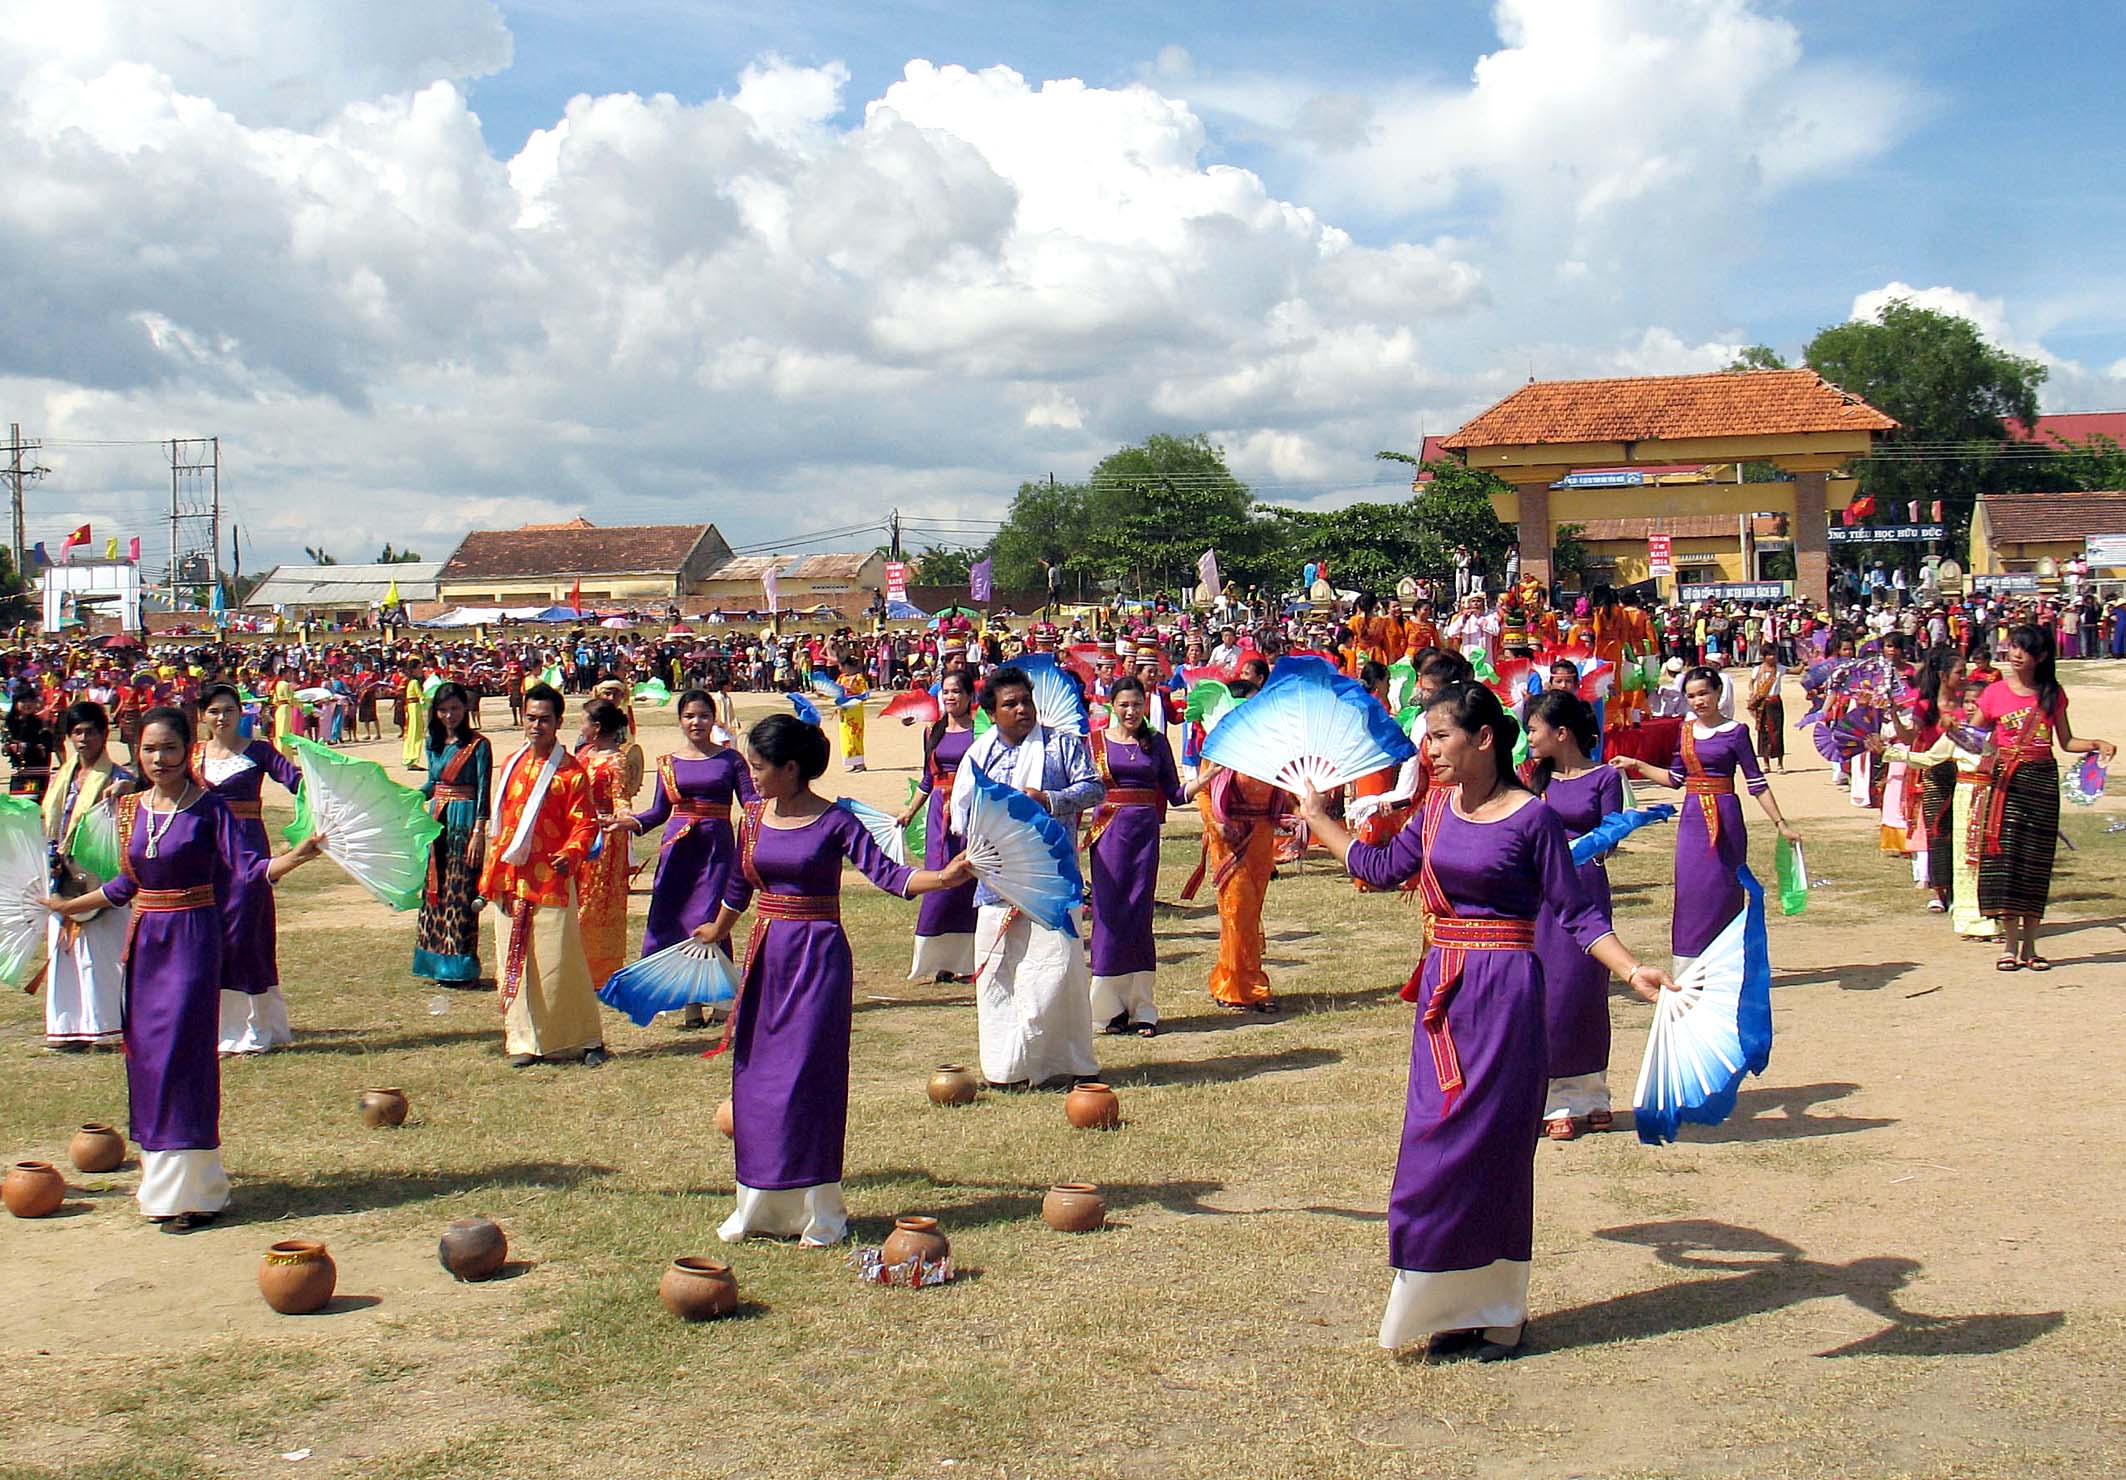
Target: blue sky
x,y
465,268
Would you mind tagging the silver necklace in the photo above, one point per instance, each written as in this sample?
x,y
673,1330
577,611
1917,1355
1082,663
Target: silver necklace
x,y
155,834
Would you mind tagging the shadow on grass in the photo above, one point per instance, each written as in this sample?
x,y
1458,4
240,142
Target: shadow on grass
x,y
362,1041
1870,978
1759,1273
1781,1114
958,1205
265,1199
1222,1070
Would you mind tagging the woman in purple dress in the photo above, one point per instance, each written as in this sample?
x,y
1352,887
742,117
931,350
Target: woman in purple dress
x,y
1137,767
1489,859
1711,842
254,1015
696,787
790,1027
944,924
186,872
1561,731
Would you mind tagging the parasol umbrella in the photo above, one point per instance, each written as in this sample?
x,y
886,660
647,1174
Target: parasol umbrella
x,y
616,623
115,642
946,613
679,629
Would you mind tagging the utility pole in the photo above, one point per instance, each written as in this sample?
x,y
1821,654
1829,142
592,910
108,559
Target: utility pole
x,y
15,474
893,527
195,515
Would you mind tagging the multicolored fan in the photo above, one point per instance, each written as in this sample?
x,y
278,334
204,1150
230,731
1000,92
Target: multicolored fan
x,y
2085,783
1209,702
884,830
1310,726
1058,703
24,880
1613,829
1402,685
377,830
94,844
653,692
1024,854
915,837
1514,681
1792,870
1711,1031
682,975
916,706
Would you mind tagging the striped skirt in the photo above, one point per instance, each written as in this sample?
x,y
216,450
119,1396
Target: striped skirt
x,y
2017,880
1937,802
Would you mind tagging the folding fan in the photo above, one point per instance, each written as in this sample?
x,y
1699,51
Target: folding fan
x,y
1514,681
377,830
806,709
1193,675
1084,658
680,975
1615,828
2086,782
915,837
1057,702
1480,665
883,829
1715,1027
1402,685
1969,737
1793,874
24,880
1208,703
94,844
1310,726
1022,853
913,707
653,691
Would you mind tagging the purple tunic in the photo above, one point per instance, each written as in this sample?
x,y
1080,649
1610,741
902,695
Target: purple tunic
x,y
694,866
1125,859
1464,1194
946,911
174,971
1708,895
1575,985
790,1035
253,962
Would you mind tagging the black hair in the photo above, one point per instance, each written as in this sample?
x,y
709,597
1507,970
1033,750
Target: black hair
x,y
1011,675
438,738
2037,642
214,691
934,732
1476,709
783,739
546,693
604,716
1255,671
1701,674
1128,682
1240,688
85,712
176,719
1373,673
1562,710
1940,663
1448,669
696,696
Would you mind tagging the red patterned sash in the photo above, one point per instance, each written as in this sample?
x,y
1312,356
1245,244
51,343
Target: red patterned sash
x,y
767,908
2025,735
1703,785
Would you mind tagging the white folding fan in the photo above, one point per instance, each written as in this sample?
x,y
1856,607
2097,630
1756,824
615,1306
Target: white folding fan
x,y
377,830
884,830
1709,1032
1058,702
1024,854
681,975
1310,726
24,880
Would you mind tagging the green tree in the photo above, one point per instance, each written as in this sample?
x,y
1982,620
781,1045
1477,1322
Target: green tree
x,y
2096,462
933,566
1157,506
1758,357
318,556
389,556
1047,522
17,603
1953,393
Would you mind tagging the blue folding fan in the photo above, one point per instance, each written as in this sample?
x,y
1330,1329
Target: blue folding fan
x,y
806,709
1310,726
1715,1027
884,829
1024,854
1058,702
1615,828
680,975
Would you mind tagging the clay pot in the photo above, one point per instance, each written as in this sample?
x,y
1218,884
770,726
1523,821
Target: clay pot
x,y
915,1237
381,1107
473,1248
1074,1207
33,1189
953,1084
724,1122
1093,1107
698,1289
96,1148
297,1276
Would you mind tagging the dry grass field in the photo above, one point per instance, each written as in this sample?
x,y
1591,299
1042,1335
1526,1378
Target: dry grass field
x,y
1902,1257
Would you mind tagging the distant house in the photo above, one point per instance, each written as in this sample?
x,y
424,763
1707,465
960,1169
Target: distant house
x,y
847,582
637,565
2019,533
346,593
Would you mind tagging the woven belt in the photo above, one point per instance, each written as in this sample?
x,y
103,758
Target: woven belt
x,y
1970,778
702,811
1135,796
1454,937
153,901
247,811
798,906
457,793
1709,786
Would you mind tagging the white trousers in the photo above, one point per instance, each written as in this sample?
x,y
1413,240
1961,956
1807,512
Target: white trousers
x,y
1577,1095
173,1182
1033,999
1493,1300
812,1215
936,953
254,1023
1127,996
84,989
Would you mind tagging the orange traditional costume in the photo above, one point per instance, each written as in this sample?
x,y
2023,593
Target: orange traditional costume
x,y
602,893
1240,837
544,826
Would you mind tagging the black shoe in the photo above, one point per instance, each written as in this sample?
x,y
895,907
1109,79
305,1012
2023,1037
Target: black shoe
x,y
1119,1023
1448,1344
522,1060
186,1222
593,1057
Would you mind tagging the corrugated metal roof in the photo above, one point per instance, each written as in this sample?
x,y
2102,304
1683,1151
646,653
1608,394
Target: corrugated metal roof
x,y
353,585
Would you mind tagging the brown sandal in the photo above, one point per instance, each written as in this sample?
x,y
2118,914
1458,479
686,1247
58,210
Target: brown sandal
x,y
2007,963
1601,1120
1561,1129
2036,963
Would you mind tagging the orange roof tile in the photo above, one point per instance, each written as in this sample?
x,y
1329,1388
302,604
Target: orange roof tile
x,y
582,548
2021,518
1750,403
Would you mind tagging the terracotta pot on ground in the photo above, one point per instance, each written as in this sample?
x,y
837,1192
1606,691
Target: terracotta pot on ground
x,y
914,1237
724,1122
33,1189
698,1289
1074,1207
473,1248
381,1107
1093,1107
96,1148
953,1084
297,1276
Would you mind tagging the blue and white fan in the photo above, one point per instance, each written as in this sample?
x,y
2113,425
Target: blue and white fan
x,y
1616,827
884,830
1058,702
1714,1028
805,708
1310,726
824,685
1025,855
678,976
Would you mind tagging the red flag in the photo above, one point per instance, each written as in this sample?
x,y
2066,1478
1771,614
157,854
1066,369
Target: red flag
x,y
1937,511
575,595
133,550
78,537
1860,508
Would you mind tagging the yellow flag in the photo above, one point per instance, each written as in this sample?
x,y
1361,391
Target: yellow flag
x,y
110,548
391,597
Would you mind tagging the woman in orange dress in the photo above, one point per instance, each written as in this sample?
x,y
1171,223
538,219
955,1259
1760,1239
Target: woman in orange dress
x,y
1240,816
601,898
